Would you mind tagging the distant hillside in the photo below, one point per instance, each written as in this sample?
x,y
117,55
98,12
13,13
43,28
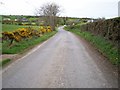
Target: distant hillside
x,y
40,20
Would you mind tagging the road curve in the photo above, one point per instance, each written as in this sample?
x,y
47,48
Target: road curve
x,y
64,61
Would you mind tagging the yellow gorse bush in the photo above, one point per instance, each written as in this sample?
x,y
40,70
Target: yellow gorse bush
x,y
25,33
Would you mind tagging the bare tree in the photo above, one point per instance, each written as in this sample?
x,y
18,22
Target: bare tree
x,y
50,11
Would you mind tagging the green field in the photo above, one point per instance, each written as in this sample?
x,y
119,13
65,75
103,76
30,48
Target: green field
x,y
7,27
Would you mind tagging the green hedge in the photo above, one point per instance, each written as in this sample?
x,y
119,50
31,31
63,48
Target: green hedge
x,y
108,29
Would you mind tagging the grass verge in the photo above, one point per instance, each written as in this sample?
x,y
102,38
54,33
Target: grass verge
x,y
104,46
25,44
4,62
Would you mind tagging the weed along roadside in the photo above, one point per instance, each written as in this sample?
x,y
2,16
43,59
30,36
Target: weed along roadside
x,y
25,39
4,62
106,47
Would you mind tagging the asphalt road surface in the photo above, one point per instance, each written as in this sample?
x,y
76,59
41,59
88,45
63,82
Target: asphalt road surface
x,y
63,61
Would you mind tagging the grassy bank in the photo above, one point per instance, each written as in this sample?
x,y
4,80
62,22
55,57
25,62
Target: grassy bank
x,y
104,46
25,44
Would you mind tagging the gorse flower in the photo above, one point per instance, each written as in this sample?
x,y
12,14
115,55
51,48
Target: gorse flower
x,y
24,33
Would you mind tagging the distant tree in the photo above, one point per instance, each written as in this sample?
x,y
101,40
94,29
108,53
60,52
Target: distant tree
x,y
50,11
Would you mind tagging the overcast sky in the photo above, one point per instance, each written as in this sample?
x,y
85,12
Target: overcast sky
x,y
71,8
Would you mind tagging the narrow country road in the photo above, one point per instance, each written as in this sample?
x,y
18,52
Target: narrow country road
x,y
64,61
